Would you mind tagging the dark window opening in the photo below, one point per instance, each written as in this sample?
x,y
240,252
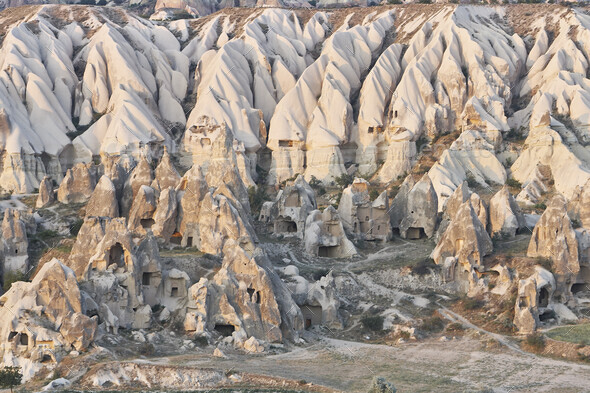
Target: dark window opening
x,y
12,335
547,315
147,223
327,252
307,323
176,239
46,359
258,297
146,278
543,297
251,292
116,255
174,292
225,330
189,241
415,233
395,114
576,288
24,339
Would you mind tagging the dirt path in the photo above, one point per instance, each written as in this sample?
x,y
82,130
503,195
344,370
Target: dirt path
x,y
454,317
452,366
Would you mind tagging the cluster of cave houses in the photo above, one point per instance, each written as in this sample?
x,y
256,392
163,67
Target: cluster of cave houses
x,y
114,278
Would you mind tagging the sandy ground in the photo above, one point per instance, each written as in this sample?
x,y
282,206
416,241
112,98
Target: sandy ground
x,y
457,365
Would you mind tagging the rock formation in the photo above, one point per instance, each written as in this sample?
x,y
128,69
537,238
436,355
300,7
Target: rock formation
x,y
415,209
142,209
361,217
103,202
46,194
286,215
554,238
77,185
15,242
325,236
165,174
505,215
140,176
462,247
43,320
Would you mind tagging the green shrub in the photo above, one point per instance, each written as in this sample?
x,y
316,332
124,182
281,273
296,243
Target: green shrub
x,y
432,324
514,183
10,377
380,385
374,322
472,304
374,194
201,341
11,277
257,196
423,267
75,227
540,206
471,181
343,180
536,341
317,185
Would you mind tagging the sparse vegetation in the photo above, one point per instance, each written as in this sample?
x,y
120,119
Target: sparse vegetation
x,y
317,186
540,206
10,377
578,334
373,323
471,181
536,342
343,180
432,324
257,196
425,266
514,183
76,226
472,303
11,277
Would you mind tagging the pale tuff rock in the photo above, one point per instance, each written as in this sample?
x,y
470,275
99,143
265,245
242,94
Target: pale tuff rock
x,y
526,312
555,238
165,174
103,202
535,297
463,246
325,236
415,210
140,176
505,215
318,301
244,299
579,205
362,218
286,215
191,191
535,186
91,233
462,194
142,210
77,185
165,215
14,242
252,345
43,320
219,220
173,293
46,194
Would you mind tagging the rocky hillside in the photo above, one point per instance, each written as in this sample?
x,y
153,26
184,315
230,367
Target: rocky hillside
x,y
199,175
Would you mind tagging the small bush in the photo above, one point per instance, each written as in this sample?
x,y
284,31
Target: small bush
x,y
343,180
147,349
471,181
374,322
455,327
423,267
10,377
374,194
201,341
380,385
11,277
576,223
536,341
433,324
514,183
257,196
545,263
75,227
472,304
317,186
540,206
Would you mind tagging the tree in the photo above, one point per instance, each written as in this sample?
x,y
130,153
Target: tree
x,y
10,377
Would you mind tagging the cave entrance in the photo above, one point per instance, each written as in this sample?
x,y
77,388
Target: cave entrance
x,y
547,315
328,251
174,292
176,238
284,225
116,255
46,359
312,315
225,330
146,279
577,288
189,241
415,233
543,297
147,223
24,339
